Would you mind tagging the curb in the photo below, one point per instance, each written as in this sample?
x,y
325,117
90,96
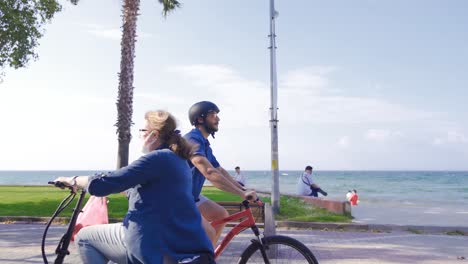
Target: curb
x,y
455,230
451,230
41,220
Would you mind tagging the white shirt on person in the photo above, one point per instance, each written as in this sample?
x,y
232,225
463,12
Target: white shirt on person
x,y
303,184
239,177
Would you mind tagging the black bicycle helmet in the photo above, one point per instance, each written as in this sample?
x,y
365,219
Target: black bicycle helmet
x,y
201,109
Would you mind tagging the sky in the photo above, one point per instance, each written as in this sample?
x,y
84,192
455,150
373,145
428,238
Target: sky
x,y
362,85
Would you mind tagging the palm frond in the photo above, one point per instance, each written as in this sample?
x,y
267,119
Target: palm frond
x,y
168,5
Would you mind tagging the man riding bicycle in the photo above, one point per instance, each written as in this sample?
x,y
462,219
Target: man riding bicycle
x,y
204,117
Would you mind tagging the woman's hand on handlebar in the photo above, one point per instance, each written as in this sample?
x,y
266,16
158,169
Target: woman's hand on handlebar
x,y
66,182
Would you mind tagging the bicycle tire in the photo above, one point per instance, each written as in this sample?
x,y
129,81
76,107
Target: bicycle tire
x,y
289,250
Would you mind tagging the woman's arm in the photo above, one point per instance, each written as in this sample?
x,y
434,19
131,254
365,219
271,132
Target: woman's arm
x,y
139,172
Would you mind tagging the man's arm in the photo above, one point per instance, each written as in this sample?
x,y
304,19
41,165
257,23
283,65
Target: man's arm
x,y
217,178
228,176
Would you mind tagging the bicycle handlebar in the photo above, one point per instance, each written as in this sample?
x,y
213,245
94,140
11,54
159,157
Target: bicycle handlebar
x,y
247,202
60,185
57,184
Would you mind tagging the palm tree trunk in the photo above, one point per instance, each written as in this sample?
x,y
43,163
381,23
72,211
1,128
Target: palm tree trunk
x,y
125,94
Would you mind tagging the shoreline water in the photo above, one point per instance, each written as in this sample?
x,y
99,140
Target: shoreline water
x,y
409,214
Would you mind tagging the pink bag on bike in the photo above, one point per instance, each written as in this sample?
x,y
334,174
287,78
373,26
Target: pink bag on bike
x,y
93,213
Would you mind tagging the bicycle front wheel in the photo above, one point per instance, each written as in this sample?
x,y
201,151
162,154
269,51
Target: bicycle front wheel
x,y
279,249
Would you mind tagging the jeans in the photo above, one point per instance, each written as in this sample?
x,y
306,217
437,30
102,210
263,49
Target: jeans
x,y
104,244
313,192
100,244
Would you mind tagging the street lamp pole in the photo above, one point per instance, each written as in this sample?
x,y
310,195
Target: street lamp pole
x,y
275,193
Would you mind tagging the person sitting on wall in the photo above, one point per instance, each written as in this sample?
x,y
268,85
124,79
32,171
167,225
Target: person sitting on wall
x,y
240,178
306,186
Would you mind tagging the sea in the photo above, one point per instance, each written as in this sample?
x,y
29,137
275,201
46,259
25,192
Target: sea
x,y
435,198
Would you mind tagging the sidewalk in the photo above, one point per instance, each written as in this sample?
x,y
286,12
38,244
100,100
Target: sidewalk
x,y
21,243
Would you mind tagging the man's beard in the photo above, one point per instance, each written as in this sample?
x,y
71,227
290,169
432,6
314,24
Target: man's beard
x,y
211,129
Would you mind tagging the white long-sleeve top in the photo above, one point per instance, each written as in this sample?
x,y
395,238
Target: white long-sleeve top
x,y
303,184
240,177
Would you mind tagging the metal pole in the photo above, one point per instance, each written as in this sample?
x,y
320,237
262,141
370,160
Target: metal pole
x,y
275,193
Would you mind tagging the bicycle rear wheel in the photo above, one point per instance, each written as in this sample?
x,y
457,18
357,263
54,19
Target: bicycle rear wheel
x,y
279,249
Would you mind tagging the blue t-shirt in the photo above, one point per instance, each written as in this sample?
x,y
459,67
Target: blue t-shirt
x,y
162,218
196,137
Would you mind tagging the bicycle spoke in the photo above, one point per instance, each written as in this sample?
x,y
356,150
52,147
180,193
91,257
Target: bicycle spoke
x,y
279,254
279,249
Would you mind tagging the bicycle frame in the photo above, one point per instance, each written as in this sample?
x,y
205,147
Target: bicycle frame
x,y
243,225
260,243
62,249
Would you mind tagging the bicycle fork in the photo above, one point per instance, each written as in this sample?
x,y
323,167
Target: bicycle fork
x,y
260,244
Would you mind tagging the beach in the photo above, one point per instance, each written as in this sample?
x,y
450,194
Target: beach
x,y
410,214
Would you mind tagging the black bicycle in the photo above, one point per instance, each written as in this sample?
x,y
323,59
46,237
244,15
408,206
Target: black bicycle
x,y
62,249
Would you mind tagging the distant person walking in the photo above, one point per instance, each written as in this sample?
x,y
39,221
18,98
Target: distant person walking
x,y
306,186
239,176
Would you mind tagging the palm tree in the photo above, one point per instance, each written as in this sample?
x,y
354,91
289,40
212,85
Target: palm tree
x,y
125,92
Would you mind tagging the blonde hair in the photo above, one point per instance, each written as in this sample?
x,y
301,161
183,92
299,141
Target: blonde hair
x,y
165,123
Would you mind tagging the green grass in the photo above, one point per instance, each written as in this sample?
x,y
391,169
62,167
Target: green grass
x,y
456,233
295,209
415,231
217,195
42,201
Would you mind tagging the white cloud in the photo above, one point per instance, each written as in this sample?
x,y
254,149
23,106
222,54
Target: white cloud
x,y
311,80
158,99
302,97
111,32
306,96
219,80
381,134
51,124
344,110
207,74
377,135
343,142
242,101
451,137
245,102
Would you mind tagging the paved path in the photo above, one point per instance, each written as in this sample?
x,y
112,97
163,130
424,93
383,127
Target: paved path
x,y
21,243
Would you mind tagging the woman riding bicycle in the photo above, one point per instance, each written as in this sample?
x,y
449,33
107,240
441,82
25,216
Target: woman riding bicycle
x,y
163,224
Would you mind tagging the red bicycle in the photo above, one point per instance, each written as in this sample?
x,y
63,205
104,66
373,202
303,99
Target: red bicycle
x,y
262,249
265,249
